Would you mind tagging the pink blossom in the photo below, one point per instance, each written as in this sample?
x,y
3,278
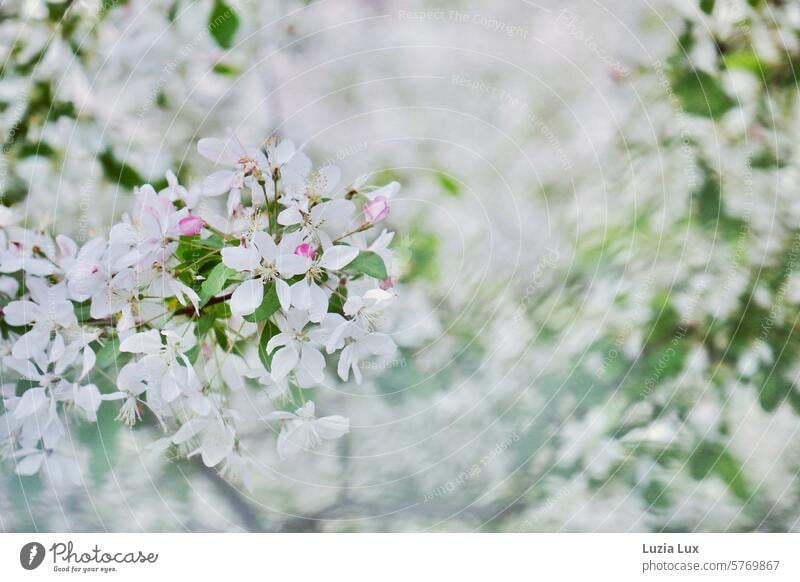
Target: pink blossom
x,y
305,250
387,283
190,225
376,209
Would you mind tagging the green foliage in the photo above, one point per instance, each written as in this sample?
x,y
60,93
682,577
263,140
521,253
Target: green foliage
x,y
269,330
119,172
774,391
713,459
222,24
269,305
369,263
424,249
215,282
337,300
449,184
700,93
707,6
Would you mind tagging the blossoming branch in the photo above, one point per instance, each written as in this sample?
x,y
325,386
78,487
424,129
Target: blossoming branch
x,y
180,307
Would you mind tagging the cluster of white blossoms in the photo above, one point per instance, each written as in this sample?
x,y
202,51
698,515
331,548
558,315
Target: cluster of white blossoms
x,y
163,317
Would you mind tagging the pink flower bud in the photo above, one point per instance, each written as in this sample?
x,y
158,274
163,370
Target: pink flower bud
x,y
387,283
190,225
376,210
305,250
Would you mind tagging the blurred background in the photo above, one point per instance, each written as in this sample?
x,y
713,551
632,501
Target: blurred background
x,y
598,319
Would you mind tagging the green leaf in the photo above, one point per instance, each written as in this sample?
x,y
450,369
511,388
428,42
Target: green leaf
x,y
83,311
424,249
449,184
774,391
369,263
192,249
269,305
707,6
270,330
215,282
225,69
337,300
119,172
745,60
223,23
712,458
102,437
700,93
109,356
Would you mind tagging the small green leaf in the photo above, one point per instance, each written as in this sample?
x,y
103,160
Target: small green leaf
x,y
109,356
223,23
712,458
119,172
269,305
215,282
225,69
774,392
83,311
707,6
370,264
449,184
700,93
337,300
270,330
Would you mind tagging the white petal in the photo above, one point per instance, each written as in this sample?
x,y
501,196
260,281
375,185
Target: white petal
x,y
217,443
266,245
386,191
290,216
30,465
332,427
241,258
30,403
247,297
218,183
146,342
284,362
313,363
338,257
21,313
284,151
319,303
284,294
301,294
216,150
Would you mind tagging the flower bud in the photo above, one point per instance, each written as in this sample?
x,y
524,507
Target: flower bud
x,y
376,210
190,225
305,250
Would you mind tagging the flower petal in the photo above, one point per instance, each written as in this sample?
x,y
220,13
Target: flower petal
x,y
247,297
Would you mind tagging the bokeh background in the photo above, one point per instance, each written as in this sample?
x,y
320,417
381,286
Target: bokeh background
x,y
598,226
